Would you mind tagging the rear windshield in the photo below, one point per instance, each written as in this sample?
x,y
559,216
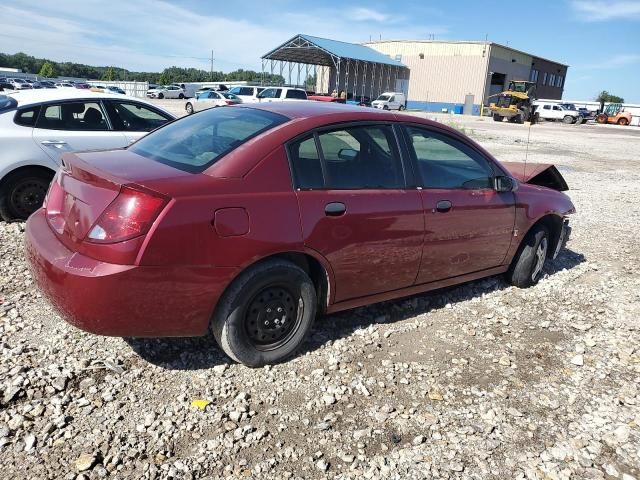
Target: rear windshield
x,y
196,142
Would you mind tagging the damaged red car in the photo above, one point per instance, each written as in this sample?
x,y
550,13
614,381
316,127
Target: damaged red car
x,y
249,221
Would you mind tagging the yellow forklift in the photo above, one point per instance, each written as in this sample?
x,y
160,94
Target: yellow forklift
x,y
515,104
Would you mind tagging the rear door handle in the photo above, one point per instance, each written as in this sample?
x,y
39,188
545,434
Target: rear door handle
x,y
53,143
443,206
335,209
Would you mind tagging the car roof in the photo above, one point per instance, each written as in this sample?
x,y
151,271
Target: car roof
x,y
34,97
297,109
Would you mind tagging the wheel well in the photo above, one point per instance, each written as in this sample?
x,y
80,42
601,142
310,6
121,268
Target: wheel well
x,y
554,225
24,169
314,269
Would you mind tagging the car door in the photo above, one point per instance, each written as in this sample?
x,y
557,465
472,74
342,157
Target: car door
x,y
558,112
134,119
468,224
74,126
355,208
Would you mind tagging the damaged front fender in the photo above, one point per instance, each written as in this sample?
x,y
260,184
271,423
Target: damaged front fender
x,y
542,174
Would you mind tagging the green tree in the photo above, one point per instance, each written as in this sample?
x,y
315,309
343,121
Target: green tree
x,y
108,75
605,97
47,70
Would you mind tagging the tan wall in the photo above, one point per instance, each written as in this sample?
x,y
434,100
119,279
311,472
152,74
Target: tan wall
x,y
448,71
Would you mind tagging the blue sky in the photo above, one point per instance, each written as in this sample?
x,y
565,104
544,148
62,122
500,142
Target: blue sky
x,y
600,40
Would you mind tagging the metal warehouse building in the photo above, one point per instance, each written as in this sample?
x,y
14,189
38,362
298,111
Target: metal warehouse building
x,y
450,74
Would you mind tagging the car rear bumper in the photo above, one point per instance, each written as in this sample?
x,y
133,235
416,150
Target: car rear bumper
x,y
122,300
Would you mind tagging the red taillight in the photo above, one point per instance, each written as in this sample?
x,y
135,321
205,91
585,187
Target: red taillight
x,y
130,215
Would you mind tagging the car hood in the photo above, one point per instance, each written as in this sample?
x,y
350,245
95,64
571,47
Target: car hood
x,y
542,174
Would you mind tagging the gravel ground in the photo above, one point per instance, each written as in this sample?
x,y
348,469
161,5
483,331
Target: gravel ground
x,y
478,381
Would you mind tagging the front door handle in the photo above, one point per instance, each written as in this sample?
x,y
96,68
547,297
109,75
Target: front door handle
x,y
443,206
335,209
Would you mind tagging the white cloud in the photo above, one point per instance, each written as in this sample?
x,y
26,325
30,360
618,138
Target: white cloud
x,y
600,10
366,14
150,35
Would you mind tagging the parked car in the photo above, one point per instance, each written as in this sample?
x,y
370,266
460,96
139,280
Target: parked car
x,y
19,83
390,101
279,94
6,87
38,127
114,89
167,91
81,85
248,221
47,84
247,94
585,113
554,111
210,99
65,85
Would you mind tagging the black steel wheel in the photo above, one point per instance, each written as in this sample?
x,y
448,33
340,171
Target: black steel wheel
x,y
272,317
23,192
265,314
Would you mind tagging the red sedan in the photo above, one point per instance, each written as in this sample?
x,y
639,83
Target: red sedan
x,y
250,220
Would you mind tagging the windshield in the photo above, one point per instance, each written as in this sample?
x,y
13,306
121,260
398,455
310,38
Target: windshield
x,y
196,142
384,98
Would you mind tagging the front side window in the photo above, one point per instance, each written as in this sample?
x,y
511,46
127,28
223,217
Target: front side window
x,y
196,142
74,116
446,163
269,93
134,117
236,91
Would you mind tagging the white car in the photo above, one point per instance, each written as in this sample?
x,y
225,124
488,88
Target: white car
x,y
280,94
210,99
167,91
38,126
390,101
19,83
247,94
553,111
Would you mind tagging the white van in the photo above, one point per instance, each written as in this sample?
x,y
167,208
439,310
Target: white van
x,y
248,94
390,101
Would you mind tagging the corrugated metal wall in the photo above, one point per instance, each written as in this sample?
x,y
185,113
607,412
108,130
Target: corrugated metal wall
x,y
360,78
441,72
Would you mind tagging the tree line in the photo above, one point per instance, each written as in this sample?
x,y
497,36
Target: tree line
x,y
49,69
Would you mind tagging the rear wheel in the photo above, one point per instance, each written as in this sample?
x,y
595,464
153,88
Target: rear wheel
x,y
526,267
189,108
266,313
568,119
22,193
401,107
497,118
181,96
623,121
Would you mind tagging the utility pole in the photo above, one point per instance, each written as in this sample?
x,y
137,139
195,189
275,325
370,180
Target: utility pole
x,y
211,74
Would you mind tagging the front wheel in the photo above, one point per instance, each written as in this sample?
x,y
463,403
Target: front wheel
x,y
526,267
161,96
568,119
23,192
266,313
181,96
497,118
189,108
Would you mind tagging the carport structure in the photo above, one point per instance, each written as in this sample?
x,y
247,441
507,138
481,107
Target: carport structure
x,y
355,69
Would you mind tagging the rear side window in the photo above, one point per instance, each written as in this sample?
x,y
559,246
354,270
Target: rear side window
x,y
296,94
74,116
27,117
349,159
196,142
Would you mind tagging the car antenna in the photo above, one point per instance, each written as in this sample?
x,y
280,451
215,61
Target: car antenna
x,y
526,154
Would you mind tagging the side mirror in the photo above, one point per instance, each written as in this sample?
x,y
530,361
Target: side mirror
x,y
347,154
502,183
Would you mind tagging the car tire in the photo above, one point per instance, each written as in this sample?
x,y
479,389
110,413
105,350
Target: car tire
x,y
568,119
497,118
246,320
528,263
401,108
22,193
161,96
189,108
181,96
623,122
385,107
